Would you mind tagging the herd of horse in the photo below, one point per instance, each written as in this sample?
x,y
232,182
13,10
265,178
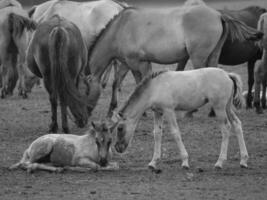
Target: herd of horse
x,y
69,49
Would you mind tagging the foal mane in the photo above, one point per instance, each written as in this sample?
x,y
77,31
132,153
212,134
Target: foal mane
x,y
105,29
140,89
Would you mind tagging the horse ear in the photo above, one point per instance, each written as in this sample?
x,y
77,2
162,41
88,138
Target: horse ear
x,y
93,125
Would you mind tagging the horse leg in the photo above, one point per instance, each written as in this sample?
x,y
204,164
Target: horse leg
x,y
250,68
181,65
64,118
225,130
53,102
120,72
263,98
158,121
175,131
236,126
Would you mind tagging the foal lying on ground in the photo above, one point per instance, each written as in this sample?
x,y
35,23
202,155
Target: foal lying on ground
x,y
52,152
166,91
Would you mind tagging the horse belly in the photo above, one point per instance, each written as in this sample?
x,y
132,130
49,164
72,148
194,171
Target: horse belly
x,y
62,153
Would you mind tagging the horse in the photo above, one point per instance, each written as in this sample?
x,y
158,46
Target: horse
x,y
167,91
90,17
14,25
58,54
261,69
237,52
138,37
56,152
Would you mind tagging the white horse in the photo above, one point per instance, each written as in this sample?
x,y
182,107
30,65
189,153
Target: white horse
x,y
90,17
260,72
167,91
52,152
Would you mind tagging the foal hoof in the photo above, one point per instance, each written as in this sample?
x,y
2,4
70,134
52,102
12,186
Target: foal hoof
x,y
185,167
217,167
155,170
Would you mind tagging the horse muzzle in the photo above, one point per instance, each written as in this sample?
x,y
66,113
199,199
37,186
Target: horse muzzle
x,y
120,147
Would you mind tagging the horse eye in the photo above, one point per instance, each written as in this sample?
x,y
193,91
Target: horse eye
x,y
120,128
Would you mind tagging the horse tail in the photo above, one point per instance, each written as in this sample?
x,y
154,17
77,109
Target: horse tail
x,y
62,83
240,31
18,23
238,99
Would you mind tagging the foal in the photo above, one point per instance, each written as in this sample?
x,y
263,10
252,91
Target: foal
x,y
52,152
167,91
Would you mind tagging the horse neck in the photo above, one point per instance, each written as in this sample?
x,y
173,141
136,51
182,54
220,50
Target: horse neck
x,y
136,106
102,54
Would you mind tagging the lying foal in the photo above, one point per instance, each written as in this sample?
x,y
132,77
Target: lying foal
x,y
55,152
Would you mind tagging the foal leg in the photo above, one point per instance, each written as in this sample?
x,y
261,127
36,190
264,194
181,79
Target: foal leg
x,y
171,118
258,76
86,162
158,120
225,130
237,129
38,166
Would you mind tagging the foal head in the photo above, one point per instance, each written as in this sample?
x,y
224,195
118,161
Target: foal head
x,y
103,139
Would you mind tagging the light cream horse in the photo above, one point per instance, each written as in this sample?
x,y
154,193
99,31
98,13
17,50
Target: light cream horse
x,y
138,37
90,17
261,69
167,91
56,152
14,23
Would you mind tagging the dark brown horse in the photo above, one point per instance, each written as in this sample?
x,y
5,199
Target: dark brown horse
x,y
57,53
238,52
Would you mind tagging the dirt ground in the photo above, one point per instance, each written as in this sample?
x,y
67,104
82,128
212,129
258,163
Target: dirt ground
x,y
22,121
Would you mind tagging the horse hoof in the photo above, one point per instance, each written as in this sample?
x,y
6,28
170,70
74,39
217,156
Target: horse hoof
x,y
155,170
259,111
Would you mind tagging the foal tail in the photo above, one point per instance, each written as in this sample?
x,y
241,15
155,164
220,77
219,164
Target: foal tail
x,y
238,99
62,82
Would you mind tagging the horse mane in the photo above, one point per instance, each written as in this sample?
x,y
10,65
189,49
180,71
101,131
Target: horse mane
x,y
9,3
256,9
140,89
104,30
193,3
